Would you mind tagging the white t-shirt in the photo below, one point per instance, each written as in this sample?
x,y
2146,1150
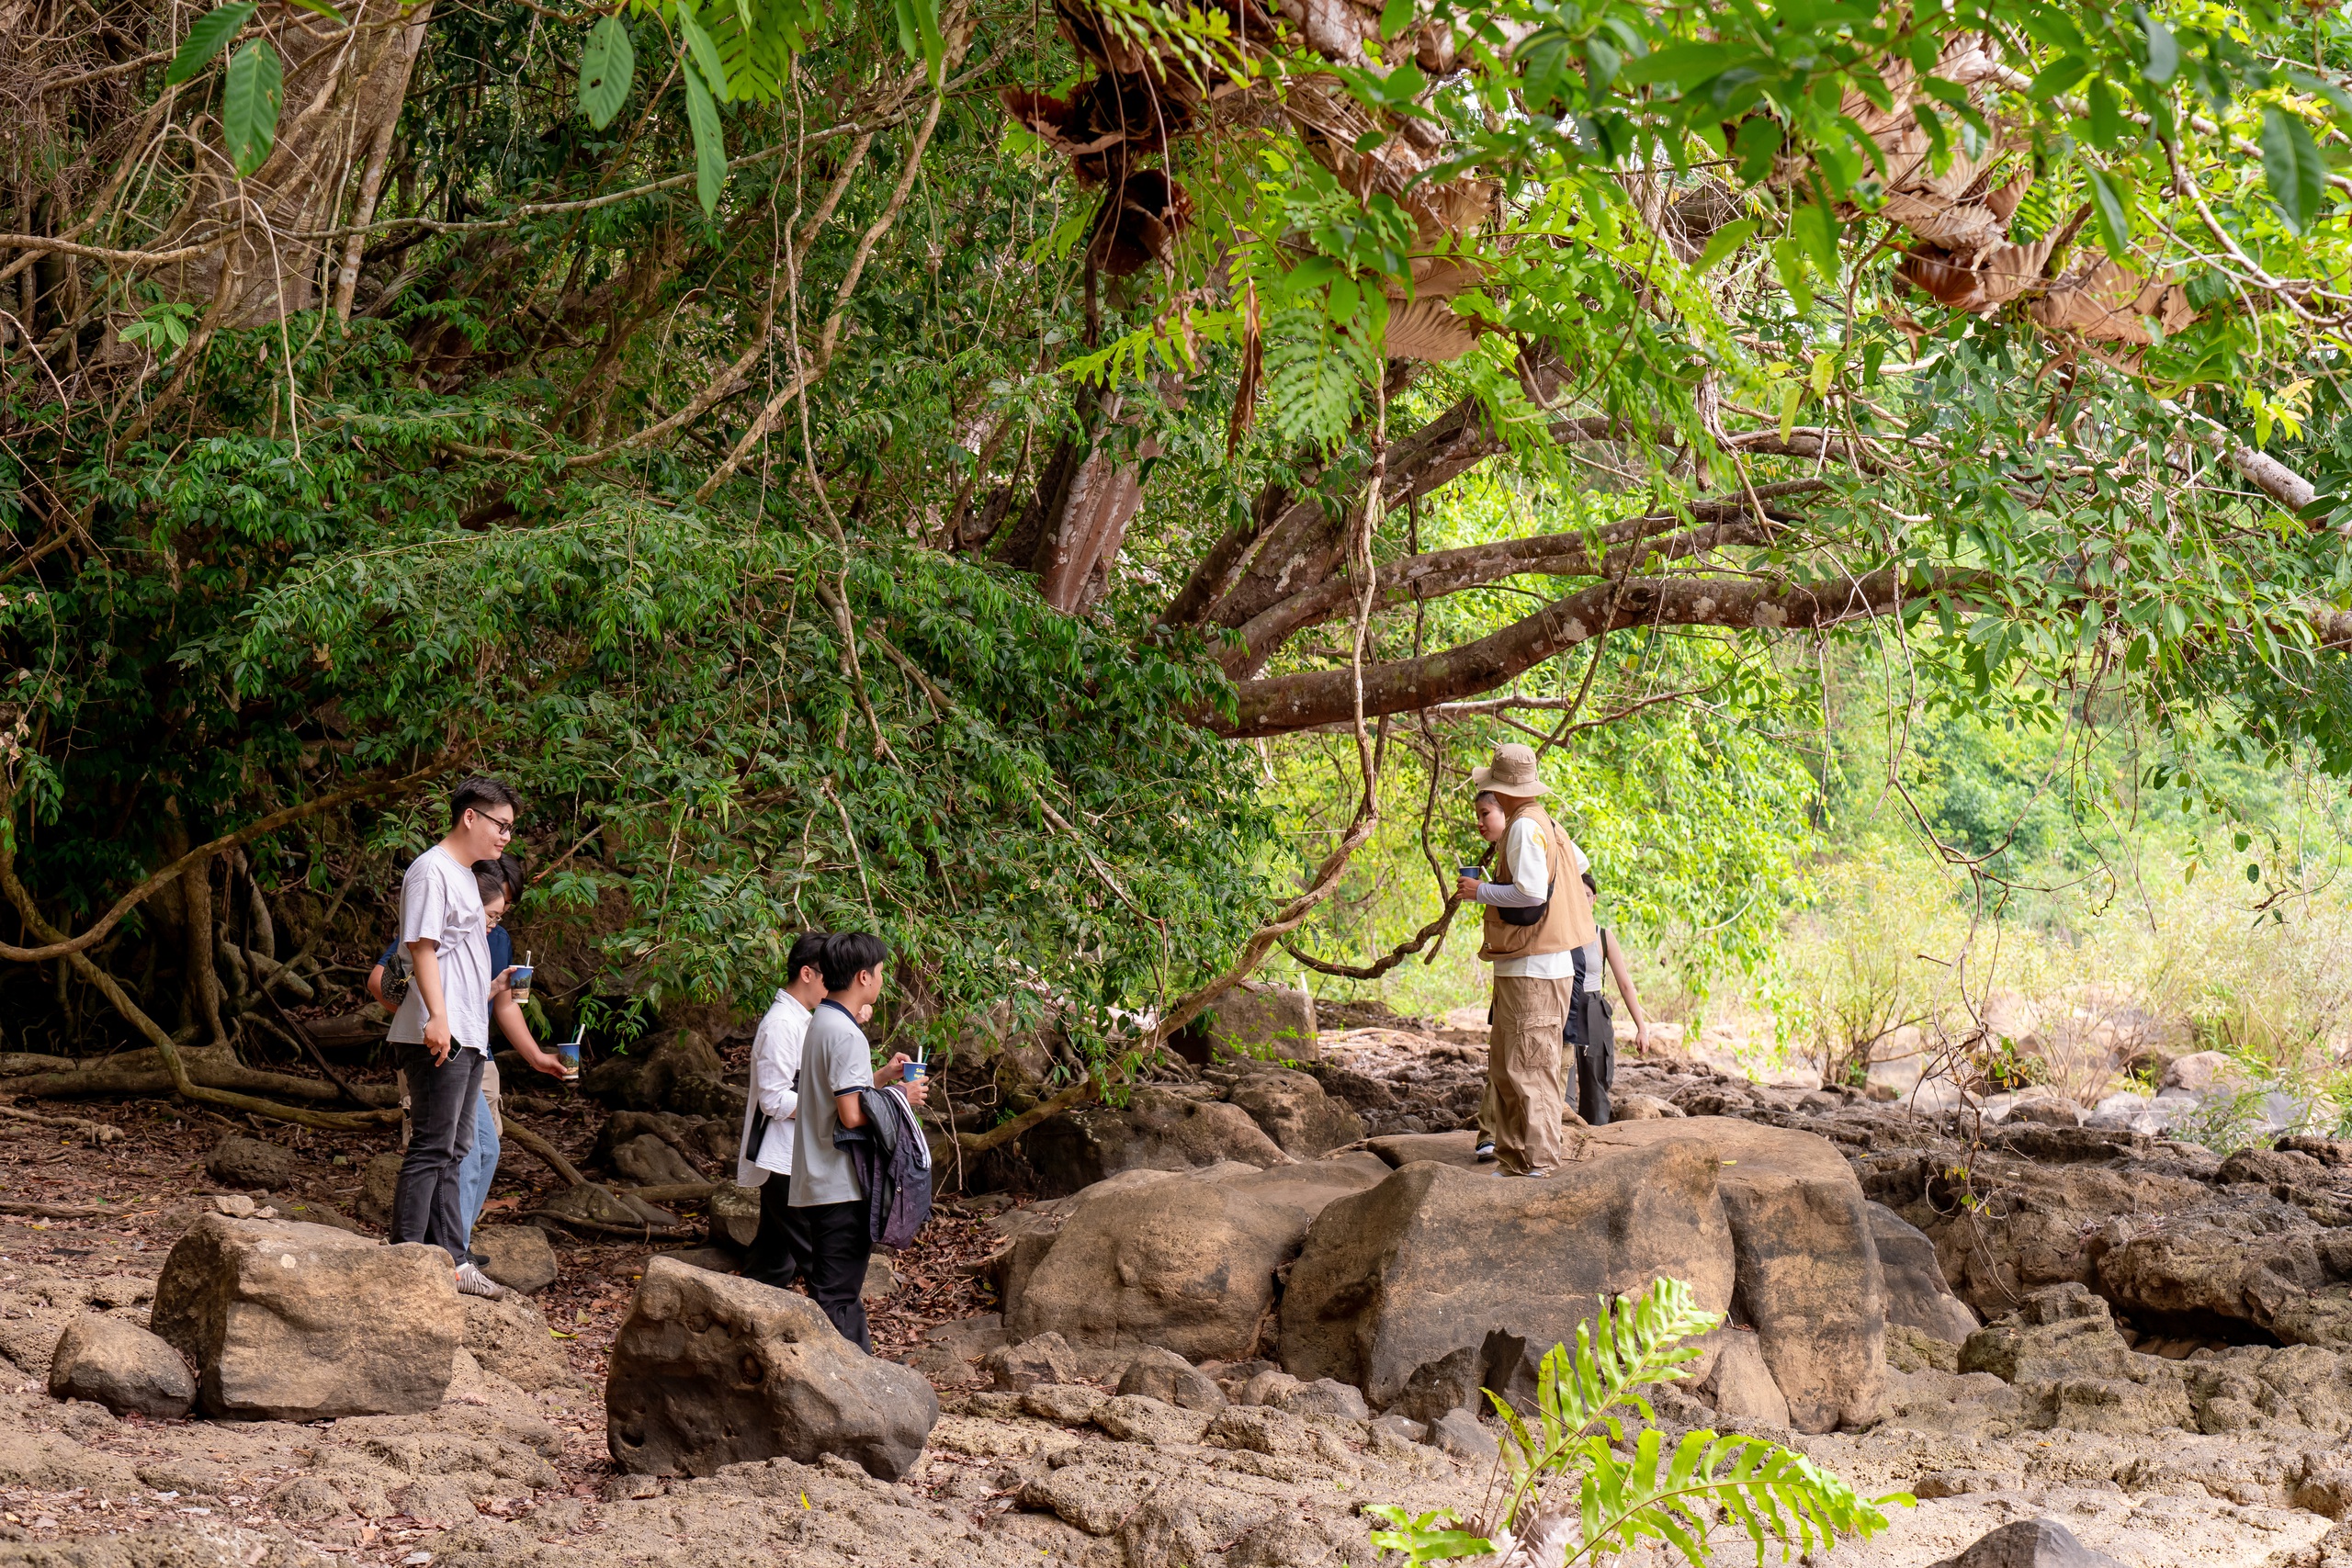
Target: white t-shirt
x,y
1523,851
776,1068
440,904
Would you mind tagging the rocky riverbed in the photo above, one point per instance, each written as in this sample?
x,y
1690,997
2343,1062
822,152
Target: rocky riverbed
x,y
1167,1361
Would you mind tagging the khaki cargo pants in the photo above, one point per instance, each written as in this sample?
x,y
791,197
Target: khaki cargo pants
x,y
1523,1070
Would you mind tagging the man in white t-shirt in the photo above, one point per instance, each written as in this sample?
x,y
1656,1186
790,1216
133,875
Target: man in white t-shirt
x,y
441,1030
764,1153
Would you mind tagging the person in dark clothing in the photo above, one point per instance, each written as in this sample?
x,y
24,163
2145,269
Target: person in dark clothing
x,y
831,1221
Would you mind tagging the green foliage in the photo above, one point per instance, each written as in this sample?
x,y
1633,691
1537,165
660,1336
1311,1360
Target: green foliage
x,y
607,61
1628,1486
249,105
207,36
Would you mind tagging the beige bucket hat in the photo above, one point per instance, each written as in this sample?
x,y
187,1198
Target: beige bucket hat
x,y
1512,773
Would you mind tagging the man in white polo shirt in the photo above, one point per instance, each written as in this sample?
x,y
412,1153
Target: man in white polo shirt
x,y
441,1030
764,1153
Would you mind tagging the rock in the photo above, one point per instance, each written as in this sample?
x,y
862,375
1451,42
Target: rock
x,y
949,1349
1286,1541
1043,1359
1917,1295
1325,1397
881,1279
2062,1353
710,1371
122,1367
648,1161
1295,1111
645,1082
379,1182
1261,1429
1892,1077
2201,1073
735,1216
2049,1110
1457,1433
237,1206
1161,1375
1072,1404
1400,1428
1438,1260
2030,1543
1643,1108
1741,1385
520,1256
1138,1418
1157,1128
508,1336
1268,1385
1183,1262
1808,1268
300,1323
1269,1023
239,1161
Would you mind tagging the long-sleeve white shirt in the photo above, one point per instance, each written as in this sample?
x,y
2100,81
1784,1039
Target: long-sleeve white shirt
x,y
1530,884
775,1067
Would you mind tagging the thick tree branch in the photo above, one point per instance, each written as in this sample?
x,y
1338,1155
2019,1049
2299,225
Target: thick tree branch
x,y
1284,704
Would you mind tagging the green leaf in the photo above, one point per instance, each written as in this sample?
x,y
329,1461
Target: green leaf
x,y
1722,242
607,61
2111,210
704,52
1817,231
1396,17
321,9
249,105
2109,127
2292,168
1690,64
2057,77
710,139
207,38
2164,50
918,34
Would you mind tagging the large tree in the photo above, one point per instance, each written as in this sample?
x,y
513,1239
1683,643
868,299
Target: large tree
x,y
865,466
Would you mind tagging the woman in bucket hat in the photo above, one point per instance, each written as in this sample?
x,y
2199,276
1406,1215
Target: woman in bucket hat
x,y
1538,924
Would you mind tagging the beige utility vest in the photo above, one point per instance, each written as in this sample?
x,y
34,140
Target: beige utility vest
x,y
1566,924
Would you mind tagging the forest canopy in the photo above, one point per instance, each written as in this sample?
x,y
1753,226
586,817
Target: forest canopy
x,y
915,466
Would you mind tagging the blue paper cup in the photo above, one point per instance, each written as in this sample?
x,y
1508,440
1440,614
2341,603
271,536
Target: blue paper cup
x,y
520,981
568,1054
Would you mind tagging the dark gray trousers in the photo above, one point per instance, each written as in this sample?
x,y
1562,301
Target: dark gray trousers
x,y
441,1105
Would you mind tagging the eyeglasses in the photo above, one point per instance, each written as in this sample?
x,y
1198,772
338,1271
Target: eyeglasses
x,y
505,825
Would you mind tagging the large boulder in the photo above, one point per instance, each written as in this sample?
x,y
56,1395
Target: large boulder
x,y
1810,1280
711,1371
1917,1294
1474,1277
1159,1128
296,1322
1183,1261
1263,1022
2060,1351
1293,1109
120,1366
681,1073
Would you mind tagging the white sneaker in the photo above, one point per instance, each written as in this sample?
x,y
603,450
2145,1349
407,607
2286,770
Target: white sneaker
x,y
472,1282
1485,1150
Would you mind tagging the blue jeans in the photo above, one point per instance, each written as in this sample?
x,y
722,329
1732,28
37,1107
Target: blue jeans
x,y
474,1173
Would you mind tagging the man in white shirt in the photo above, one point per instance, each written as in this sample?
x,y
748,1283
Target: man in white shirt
x,y
764,1152
441,1030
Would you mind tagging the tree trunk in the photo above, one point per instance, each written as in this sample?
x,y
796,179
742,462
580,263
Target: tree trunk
x,y
344,89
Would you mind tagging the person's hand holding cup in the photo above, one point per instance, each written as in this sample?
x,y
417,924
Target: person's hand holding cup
x,y
1467,885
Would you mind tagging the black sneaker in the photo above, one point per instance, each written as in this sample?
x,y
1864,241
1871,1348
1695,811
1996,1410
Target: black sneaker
x,y
1486,1150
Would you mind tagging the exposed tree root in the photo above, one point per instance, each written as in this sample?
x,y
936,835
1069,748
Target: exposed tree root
x,y
131,1073
97,1131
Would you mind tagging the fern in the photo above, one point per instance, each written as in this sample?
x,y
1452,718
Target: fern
x,y
1626,1492
1315,375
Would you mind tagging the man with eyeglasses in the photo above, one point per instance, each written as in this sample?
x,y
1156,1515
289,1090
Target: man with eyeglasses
x,y
441,1030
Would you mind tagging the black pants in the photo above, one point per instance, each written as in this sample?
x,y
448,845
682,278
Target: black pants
x,y
1591,1041
835,1243
775,1256
441,1102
